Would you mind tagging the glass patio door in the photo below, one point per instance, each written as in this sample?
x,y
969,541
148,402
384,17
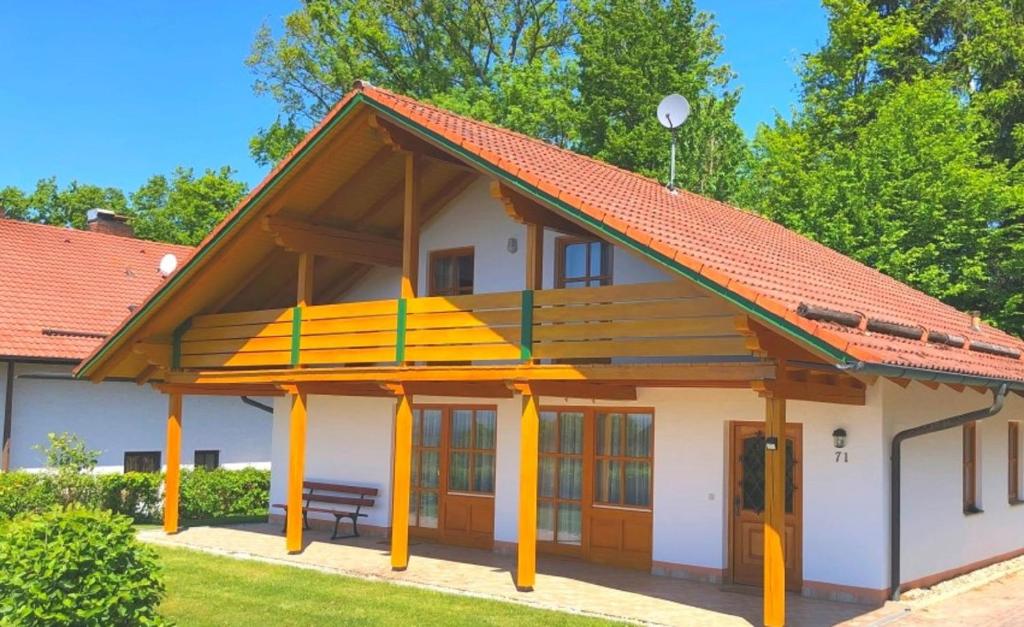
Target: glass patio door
x,y
560,479
425,498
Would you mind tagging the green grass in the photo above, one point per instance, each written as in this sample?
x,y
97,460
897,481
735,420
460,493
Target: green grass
x,y
205,589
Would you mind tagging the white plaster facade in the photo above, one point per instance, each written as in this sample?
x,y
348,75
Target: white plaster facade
x,y
115,417
845,499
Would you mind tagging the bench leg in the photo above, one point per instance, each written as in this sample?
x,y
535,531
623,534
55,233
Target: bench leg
x,y
337,521
334,535
305,520
355,526
284,527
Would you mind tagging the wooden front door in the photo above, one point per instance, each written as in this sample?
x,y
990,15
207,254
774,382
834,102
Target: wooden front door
x,y
452,492
747,507
595,485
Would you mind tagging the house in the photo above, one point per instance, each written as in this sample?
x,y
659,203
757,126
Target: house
x,y
527,350
62,291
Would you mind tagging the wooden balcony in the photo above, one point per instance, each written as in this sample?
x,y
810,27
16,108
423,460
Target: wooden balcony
x,y
658,321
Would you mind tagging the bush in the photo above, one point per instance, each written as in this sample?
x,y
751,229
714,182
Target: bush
x,y
134,494
25,492
220,493
71,466
77,567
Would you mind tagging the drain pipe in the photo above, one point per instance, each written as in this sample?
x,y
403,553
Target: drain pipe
x,y
258,405
999,395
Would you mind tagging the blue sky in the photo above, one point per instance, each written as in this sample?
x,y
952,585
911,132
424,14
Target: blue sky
x,y
111,93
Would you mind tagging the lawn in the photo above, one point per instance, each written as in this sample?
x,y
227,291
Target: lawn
x,y
205,589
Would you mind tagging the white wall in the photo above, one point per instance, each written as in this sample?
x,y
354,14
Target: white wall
x,y
115,417
936,535
476,219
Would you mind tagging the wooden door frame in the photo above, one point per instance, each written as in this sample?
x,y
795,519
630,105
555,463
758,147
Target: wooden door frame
x,y
446,410
798,499
587,493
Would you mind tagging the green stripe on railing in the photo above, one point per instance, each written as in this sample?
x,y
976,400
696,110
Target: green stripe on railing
x,y
526,327
296,334
400,331
176,344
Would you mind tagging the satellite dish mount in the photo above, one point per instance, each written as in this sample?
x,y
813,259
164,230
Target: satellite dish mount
x,y
672,112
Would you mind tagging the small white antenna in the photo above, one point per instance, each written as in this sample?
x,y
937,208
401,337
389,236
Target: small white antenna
x,y
672,112
168,264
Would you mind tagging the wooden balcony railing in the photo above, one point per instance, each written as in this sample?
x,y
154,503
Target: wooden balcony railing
x,y
653,320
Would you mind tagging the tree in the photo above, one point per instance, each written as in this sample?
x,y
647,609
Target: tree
x,y
899,155
186,208
585,75
51,204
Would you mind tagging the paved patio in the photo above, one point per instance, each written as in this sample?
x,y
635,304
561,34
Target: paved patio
x,y
563,584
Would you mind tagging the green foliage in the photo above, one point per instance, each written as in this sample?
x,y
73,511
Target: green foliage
x,y
586,74
51,204
186,208
70,467
221,493
77,567
900,157
25,492
133,494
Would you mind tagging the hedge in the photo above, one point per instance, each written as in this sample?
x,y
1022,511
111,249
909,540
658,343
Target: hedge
x,y
205,494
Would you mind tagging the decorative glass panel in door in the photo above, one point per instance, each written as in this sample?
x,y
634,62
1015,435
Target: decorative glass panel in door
x,y
426,468
560,478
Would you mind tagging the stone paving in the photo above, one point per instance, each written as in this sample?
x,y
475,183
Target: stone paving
x,y
562,584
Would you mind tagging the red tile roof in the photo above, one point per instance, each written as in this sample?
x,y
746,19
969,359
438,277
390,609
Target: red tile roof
x,y
746,255
63,290
741,251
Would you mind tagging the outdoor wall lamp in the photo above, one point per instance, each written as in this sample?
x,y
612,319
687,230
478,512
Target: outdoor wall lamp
x,y
512,246
839,437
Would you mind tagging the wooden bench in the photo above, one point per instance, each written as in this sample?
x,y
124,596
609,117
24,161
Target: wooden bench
x,y
341,501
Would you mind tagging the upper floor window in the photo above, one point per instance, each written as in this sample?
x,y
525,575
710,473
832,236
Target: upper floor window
x,y
1014,465
582,262
970,464
451,272
139,461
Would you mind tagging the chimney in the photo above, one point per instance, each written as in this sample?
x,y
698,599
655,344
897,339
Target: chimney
x,y
106,221
975,319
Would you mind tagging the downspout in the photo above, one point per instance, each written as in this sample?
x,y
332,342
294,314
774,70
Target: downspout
x,y
999,396
258,405
5,452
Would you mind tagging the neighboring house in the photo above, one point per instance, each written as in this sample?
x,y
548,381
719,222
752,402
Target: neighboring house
x,y
429,291
61,292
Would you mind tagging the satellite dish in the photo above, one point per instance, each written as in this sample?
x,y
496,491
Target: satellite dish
x,y
168,264
673,111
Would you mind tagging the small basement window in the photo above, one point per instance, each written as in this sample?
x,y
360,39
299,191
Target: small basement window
x,y
142,461
210,460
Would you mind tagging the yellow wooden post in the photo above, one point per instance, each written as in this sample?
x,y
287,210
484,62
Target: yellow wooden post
x,y
172,478
775,514
400,483
529,426
410,229
304,285
534,256
296,471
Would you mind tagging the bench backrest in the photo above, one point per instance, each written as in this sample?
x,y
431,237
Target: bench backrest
x,y
338,494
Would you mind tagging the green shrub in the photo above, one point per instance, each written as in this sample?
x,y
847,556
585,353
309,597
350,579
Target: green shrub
x,y
220,493
71,466
77,567
134,494
22,491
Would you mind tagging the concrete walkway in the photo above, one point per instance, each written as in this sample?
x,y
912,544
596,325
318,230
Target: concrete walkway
x,y
562,584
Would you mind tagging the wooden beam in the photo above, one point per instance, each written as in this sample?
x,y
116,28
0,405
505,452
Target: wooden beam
x,y
345,191
670,375
483,389
775,513
410,229
401,480
841,393
404,141
219,390
172,477
155,353
529,429
326,241
577,389
305,281
527,211
296,471
534,256
146,374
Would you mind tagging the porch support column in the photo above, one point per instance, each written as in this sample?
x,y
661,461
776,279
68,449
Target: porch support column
x,y
775,513
534,256
400,482
172,478
410,228
529,426
296,471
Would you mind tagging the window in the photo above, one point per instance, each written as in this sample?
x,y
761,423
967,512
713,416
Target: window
x,y
560,477
147,461
209,460
451,272
1014,469
971,468
582,263
471,452
622,474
